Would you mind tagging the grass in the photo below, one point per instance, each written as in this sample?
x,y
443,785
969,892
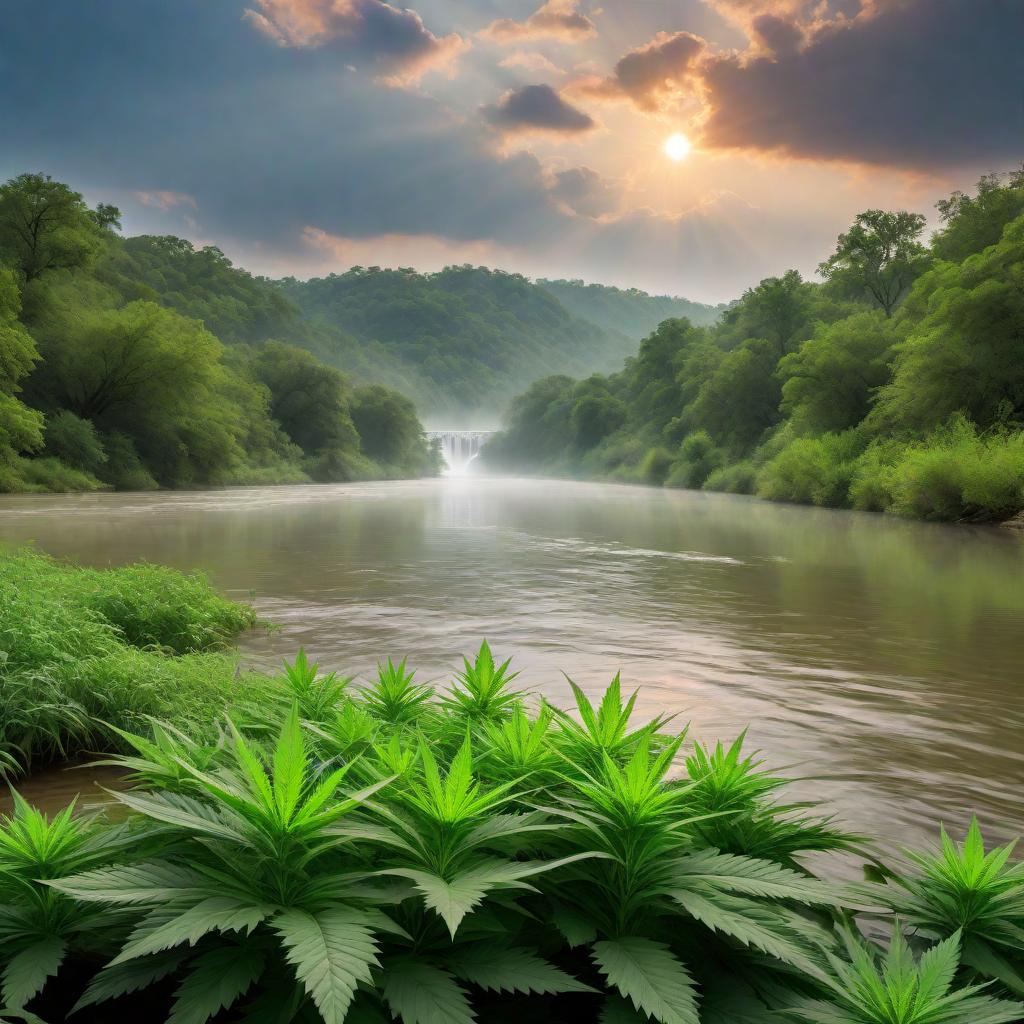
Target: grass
x,y
82,649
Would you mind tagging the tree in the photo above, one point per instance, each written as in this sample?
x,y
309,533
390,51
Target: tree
x,y
739,403
829,382
880,255
113,363
778,309
972,223
964,349
20,426
44,225
596,412
389,430
309,400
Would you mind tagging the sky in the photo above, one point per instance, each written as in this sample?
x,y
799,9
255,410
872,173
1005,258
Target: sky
x,y
306,136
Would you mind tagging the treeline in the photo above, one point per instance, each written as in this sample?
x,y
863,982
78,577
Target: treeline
x,y
896,384
465,337
141,363
629,311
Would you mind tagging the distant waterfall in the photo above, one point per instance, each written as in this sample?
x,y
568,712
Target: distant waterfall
x,y
459,447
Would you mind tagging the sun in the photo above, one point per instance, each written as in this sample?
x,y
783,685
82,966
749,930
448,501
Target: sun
x,y
677,147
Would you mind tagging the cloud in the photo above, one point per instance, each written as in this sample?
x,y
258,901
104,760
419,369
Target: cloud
x,y
916,84
653,76
538,108
585,193
559,19
163,200
393,40
535,62
777,36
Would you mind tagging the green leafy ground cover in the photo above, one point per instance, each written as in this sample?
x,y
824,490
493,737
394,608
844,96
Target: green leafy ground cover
x,y
304,847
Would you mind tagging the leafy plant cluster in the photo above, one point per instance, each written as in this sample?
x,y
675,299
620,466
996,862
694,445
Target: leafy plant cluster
x,y
84,651
143,362
364,853
895,385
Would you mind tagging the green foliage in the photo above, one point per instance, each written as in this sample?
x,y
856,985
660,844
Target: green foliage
x,y
895,386
74,441
812,470
82,650
895,989
464,337
45,226
120,343
338,853
962,889
880,256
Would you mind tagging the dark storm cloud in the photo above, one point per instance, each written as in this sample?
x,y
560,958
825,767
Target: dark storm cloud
x,y
538,108
392,39
921,84
264,140
557,19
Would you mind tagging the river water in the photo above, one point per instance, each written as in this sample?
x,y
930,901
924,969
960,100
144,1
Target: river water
x,y
881,659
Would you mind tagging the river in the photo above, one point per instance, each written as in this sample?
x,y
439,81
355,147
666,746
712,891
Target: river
x,y
879,658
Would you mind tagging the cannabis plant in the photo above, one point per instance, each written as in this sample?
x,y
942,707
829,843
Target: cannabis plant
x,y
961,888
872,987
252,874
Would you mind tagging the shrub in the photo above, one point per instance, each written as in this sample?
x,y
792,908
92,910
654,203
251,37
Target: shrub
x,y
124,470
656,465
74,441
738,478
957,473
813,470
699,457
81,649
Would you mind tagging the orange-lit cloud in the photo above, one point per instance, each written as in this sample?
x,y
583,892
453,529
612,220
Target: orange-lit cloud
x,y
393,40
535,62
654,76
162,199
558,19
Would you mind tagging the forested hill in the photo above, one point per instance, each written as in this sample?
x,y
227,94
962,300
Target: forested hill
x,y
141,363
628,311
467,337
896,384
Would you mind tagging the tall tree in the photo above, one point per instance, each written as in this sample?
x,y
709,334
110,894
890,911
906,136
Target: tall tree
x,y
20,426
880,256
44,225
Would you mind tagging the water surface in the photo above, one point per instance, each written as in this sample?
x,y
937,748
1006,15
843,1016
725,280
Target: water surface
x,y
881,657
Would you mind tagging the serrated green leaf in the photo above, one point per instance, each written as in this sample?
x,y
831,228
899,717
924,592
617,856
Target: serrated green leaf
x,y
502,969
422,994
647,973
617,1010
112,982
27,971
218,913
332,952
215,982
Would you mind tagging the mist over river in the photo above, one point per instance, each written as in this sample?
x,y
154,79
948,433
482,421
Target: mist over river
x,y
879,656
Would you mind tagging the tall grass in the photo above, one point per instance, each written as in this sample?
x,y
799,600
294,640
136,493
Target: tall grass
x,y
345,853
81,649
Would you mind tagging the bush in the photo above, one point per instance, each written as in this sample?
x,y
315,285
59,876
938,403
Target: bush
x,y
656,465
45,474
958,474
699,457
738,478
74,441
812,470
81,649
124,470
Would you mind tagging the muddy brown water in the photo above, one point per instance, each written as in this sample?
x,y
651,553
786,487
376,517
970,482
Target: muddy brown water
x,y
880,657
